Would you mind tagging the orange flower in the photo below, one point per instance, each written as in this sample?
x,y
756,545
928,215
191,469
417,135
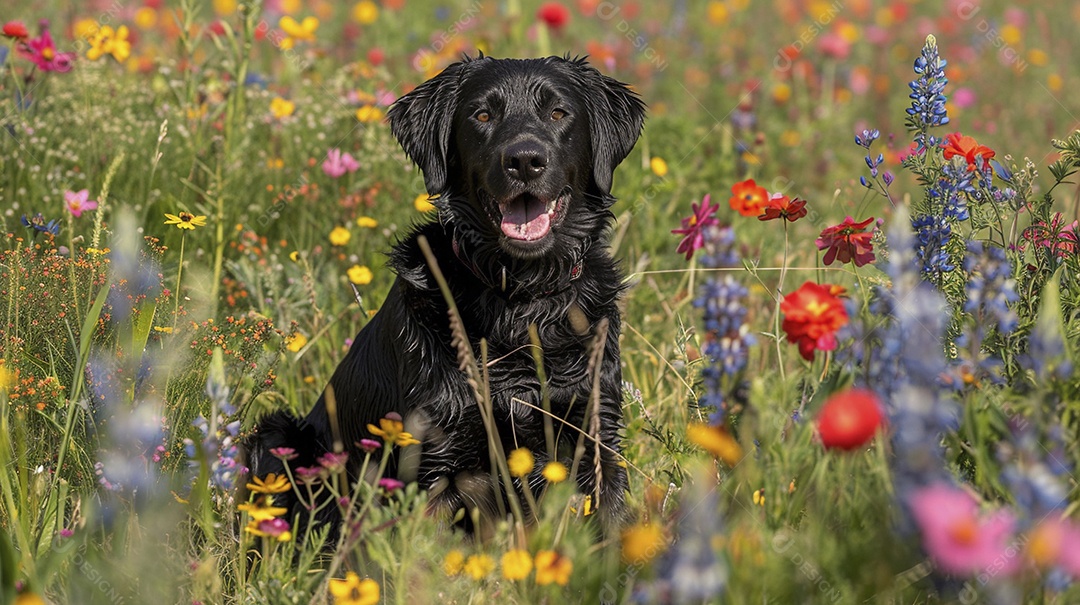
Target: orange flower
x,y
812,315
967,147
748,199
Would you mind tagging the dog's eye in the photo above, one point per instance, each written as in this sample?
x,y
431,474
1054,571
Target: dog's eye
x,y
557,115
482,116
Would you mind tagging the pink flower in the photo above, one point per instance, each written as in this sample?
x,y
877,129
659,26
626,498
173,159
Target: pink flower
x,y
334,462
1057,236
338,163
77,202
390,484
693,227
955,537
368,445
42,51
283,453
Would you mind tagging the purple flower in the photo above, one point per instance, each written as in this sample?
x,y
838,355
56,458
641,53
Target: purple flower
x,y
693,227
338,163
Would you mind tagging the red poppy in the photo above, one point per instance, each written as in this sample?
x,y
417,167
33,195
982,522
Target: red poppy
x,y
812,315
782,207
554,14
847,242
849,420
956,144
748,199
16,29
693,226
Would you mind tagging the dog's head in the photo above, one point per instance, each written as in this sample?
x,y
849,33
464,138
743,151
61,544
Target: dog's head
x,y
520,152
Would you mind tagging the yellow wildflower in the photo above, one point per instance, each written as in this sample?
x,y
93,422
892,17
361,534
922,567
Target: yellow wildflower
x,y
146,18
516,564
340,236
281,108
354,591
453,563
478,567
392,430
224,8
658,166
369,113
262,509
555,472
717,441
422,203
552,568
360,275
270,484
367,222
296,342
185,220
297,30
521,462
365,12
759,497
642,542
107,41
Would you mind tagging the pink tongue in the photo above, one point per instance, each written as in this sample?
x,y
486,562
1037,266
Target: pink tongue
x,y
524,218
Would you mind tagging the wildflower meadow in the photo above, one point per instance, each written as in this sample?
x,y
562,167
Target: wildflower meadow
x,y
849,331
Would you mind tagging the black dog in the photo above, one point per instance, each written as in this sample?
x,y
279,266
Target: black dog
x,y
519,156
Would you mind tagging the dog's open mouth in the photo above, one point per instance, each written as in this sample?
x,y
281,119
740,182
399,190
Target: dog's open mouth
x,y
529,218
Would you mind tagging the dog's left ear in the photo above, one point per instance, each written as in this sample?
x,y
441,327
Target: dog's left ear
x,y
616,115
421,122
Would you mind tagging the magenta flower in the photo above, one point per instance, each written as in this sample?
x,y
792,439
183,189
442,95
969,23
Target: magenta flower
x,y
693,227
390,484
42,51
338,163
334,462
368,445
274,528
955,537
283,453
847,242
309,474
78,202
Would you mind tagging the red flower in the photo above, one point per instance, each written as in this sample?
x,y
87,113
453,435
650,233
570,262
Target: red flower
x,y
847,242
747,198
783,207
16,29
849,420
812,315
693,226
957,144
555,15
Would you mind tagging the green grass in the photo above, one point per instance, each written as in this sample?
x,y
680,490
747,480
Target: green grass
x,y
119,332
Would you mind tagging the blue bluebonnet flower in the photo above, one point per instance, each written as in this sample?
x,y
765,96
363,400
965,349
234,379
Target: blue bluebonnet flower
x,y
218,446
727,338
719,249
38,223
723,304
952,191
933,234
927,95
991,287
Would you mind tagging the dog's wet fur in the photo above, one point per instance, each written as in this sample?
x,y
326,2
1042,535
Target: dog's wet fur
x,y
519,157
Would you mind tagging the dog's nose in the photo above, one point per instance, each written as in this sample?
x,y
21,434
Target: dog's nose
x,y
525,160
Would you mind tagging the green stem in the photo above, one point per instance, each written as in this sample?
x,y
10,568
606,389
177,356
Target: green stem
x,y
179,275
779,299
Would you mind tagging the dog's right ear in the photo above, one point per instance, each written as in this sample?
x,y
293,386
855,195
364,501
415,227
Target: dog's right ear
x,y
421,122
